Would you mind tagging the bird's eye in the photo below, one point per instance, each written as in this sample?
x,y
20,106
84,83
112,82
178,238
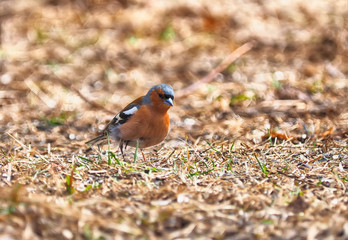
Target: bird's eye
x,y
168,96
161,95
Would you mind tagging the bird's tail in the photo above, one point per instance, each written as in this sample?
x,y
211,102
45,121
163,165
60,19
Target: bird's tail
x,y
98,140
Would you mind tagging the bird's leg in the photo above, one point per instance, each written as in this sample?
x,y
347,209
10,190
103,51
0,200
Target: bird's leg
x,y
143,155
121,148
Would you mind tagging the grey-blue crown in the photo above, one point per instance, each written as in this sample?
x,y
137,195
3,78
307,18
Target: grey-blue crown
x,y
167,90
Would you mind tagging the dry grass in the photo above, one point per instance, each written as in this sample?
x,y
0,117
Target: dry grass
x,y
260,152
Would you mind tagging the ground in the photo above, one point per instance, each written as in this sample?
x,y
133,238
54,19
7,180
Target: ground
x,y
257,150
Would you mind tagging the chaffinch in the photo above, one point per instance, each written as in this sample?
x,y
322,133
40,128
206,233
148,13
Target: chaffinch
x,y
145,120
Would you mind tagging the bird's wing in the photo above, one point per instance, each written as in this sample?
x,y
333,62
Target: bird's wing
x,y
121,118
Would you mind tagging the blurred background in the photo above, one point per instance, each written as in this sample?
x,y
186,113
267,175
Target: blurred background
x,y
224,171
66,67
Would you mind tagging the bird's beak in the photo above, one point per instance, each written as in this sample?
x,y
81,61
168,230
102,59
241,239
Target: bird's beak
x,y
169,101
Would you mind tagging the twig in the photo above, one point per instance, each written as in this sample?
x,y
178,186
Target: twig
x,y
25,147
83,97
19,142
39,93
9,172
222,66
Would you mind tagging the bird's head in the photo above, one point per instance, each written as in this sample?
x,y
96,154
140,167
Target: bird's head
x,y
160,96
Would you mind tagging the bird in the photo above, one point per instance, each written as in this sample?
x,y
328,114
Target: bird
x,y
142,123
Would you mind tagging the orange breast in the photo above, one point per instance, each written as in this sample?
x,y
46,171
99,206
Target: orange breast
x,y
156,131
148,126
